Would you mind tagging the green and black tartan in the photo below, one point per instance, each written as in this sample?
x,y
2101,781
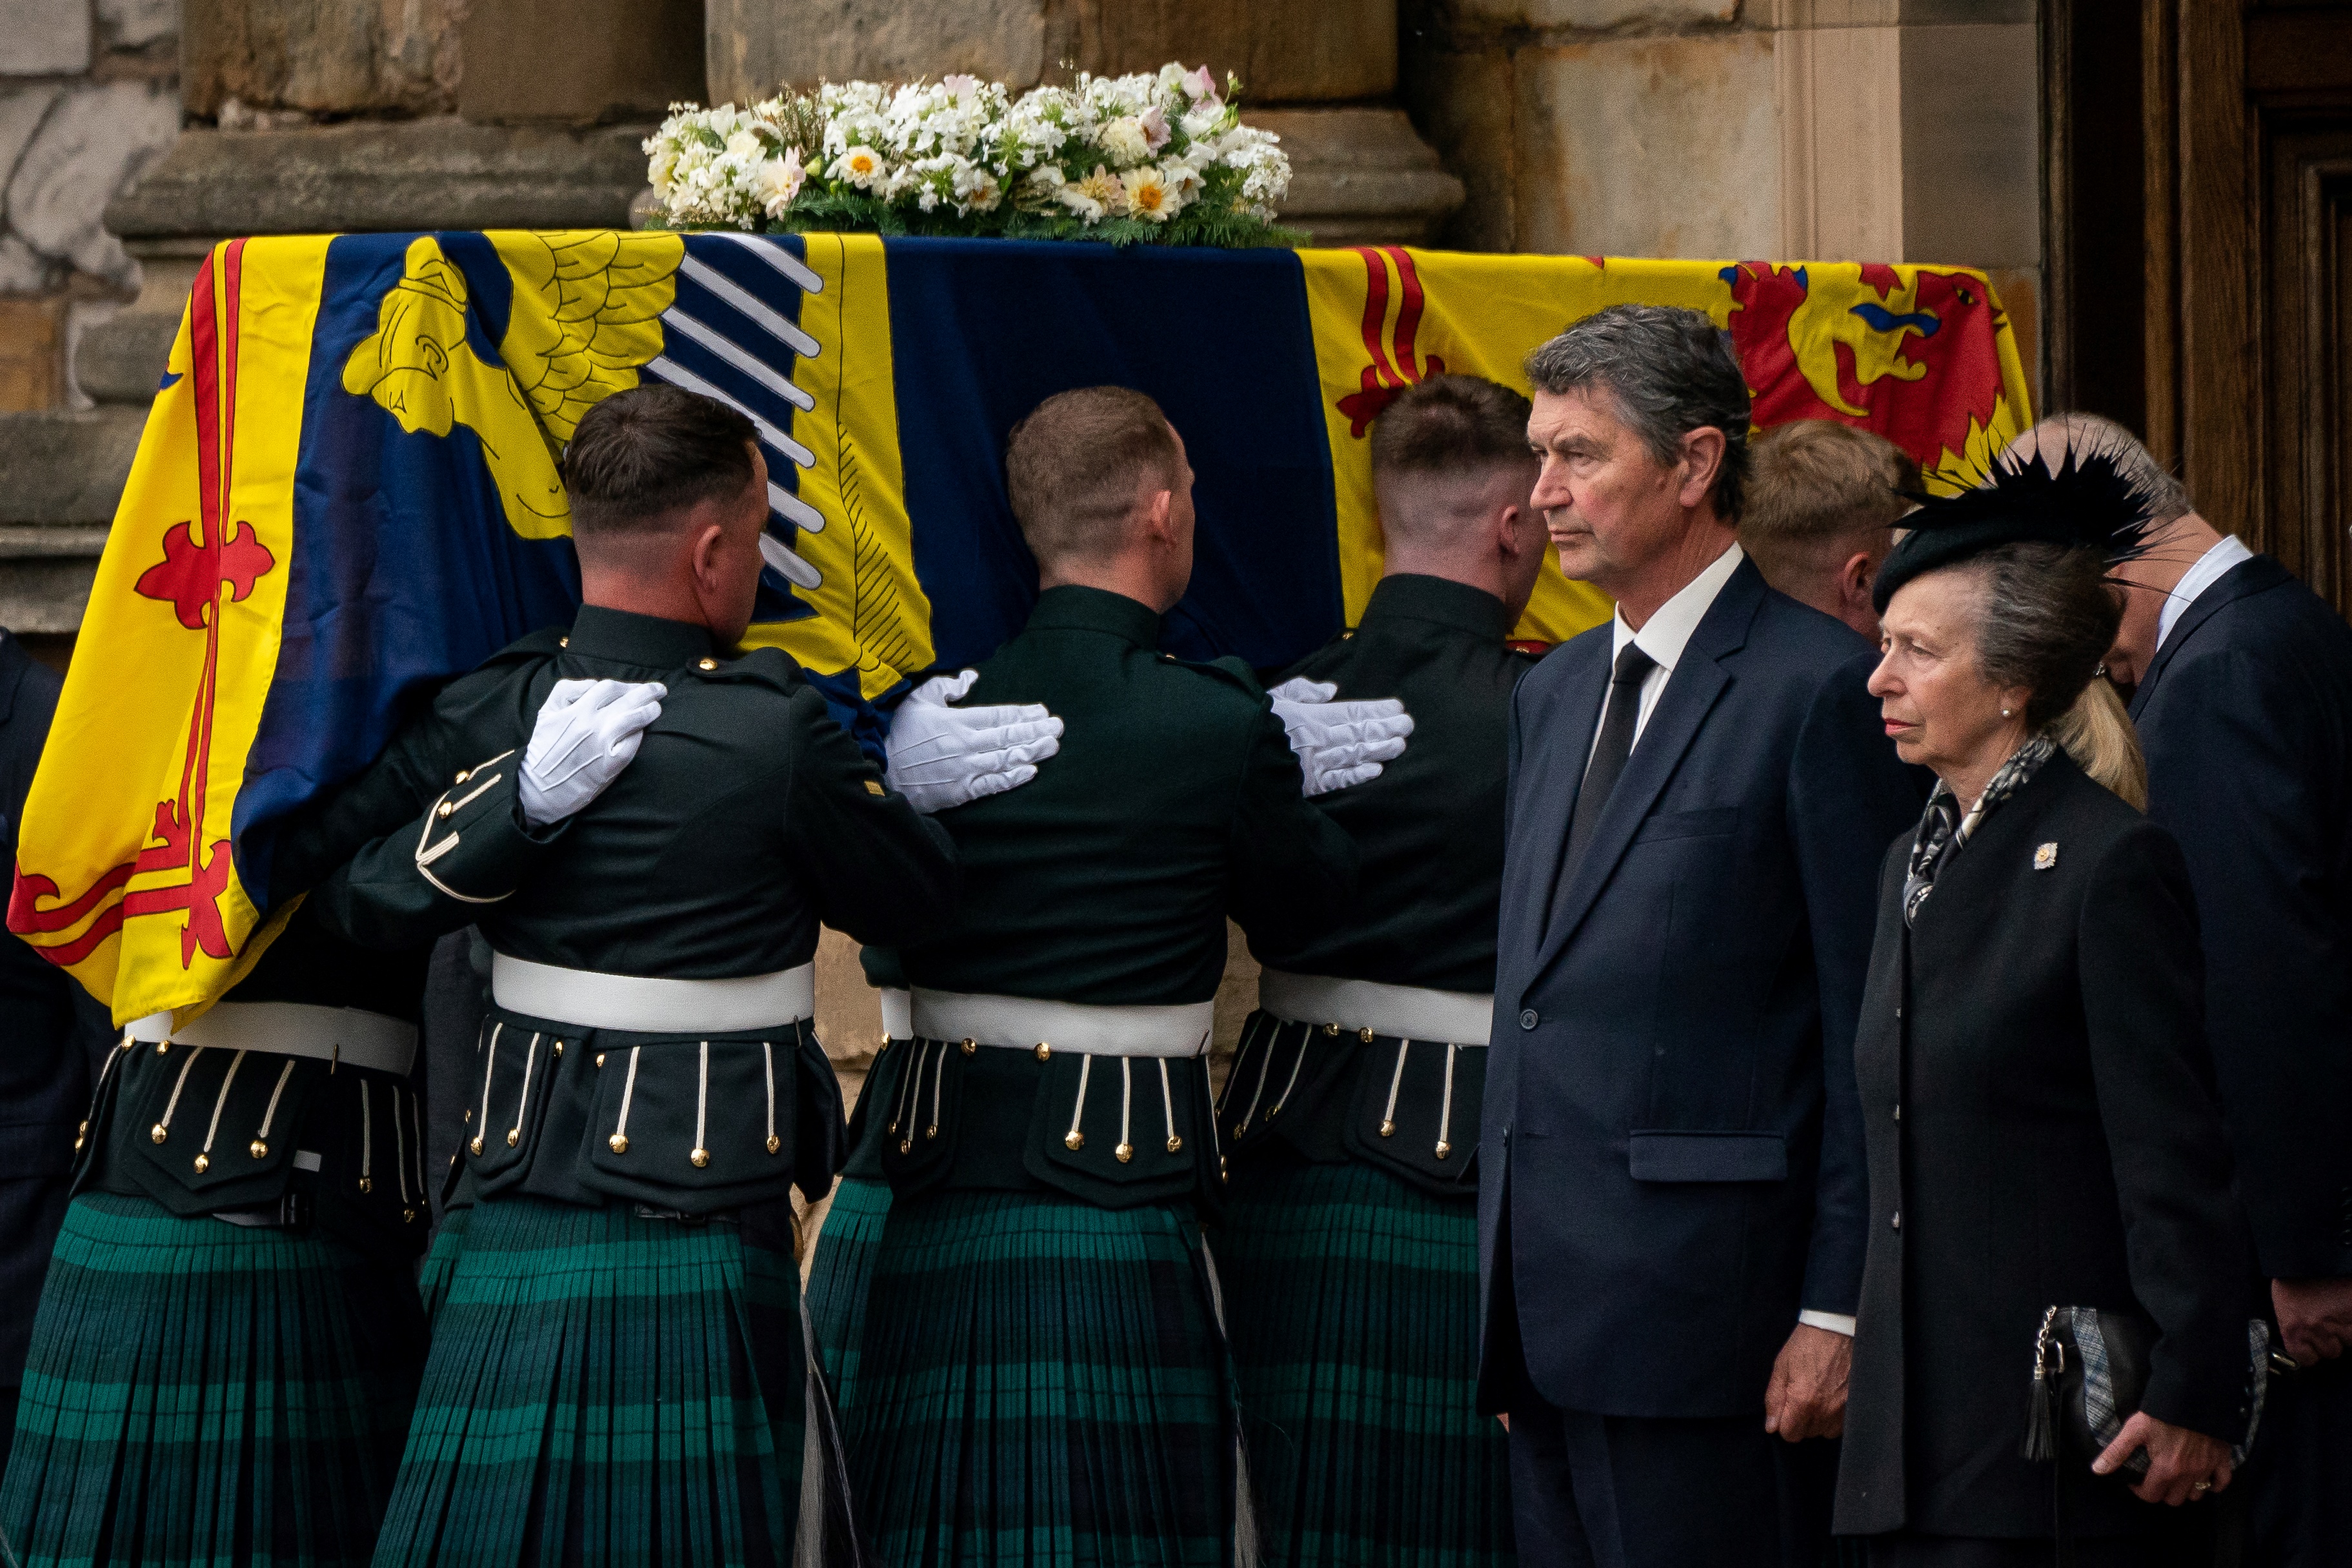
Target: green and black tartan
x,y
1352,1302
440,1265
203,1393
840,1274
1041,1381
606,1388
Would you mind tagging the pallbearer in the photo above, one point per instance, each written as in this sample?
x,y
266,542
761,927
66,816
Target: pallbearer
x,y
616,1370
1351,1241
1040,1377
228,1340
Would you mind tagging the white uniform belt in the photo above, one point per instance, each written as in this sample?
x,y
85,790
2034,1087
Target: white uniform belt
x,y
1023,1023
897,1012
646,1004
1404,1011
350,1035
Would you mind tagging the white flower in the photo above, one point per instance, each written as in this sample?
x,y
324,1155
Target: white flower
x,y
860,166
745,145
778,181
959,85
664,160
1149,196
1125,139
1155,128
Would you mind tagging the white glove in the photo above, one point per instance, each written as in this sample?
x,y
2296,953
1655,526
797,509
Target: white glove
x,y
943,757
588,731
1339,744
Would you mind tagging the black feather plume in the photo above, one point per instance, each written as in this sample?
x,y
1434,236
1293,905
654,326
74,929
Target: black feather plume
x,y
2088,503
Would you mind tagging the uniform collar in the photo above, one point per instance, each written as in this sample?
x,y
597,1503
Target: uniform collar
x,y
624,636
1412,596
1072,608
1665,634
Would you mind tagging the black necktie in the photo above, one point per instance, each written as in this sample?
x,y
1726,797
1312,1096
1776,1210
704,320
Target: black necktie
x,y
1609,758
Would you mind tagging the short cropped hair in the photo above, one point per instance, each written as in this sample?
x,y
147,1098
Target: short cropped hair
x,y
644,454
1813,482
1449,423
1670,371
1077,464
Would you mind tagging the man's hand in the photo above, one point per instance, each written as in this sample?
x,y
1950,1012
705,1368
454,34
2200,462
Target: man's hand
x,y
2182,1465
1339,744
2315,1318
588,731
1806,1397
943,757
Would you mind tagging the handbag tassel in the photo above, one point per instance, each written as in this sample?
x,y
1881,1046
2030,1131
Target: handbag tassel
x,y
2042,1420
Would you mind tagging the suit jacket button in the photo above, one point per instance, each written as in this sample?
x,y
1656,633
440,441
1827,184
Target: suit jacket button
x,y
1528,1018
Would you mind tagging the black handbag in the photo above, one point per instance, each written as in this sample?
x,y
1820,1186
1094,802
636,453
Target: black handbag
x,y
2090,1374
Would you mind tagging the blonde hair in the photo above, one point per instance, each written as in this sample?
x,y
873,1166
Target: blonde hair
x,y
2098,734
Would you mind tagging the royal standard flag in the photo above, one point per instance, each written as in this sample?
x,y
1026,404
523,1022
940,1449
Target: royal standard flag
x,y
348,488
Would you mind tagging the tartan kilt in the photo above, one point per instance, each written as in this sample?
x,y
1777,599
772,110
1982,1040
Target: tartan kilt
x,y
839,1274
203,1393
440,1265
1041,1381
1352,1300
606,1388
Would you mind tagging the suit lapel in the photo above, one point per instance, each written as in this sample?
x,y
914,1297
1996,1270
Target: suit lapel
x,y
2241,581
1553,766
1698,681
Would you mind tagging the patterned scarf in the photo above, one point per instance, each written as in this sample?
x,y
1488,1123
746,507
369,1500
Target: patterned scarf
x,y
1944,829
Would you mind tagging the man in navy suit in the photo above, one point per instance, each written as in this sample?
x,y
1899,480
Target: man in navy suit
x,y
1671,1196
2243,701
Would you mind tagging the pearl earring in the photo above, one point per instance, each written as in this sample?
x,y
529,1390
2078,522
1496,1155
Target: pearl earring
x,y
2007,714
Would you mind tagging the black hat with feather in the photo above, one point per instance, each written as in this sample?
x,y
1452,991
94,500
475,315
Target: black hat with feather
x,y
2087,502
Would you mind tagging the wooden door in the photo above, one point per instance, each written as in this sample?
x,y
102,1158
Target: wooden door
x,y
2242,150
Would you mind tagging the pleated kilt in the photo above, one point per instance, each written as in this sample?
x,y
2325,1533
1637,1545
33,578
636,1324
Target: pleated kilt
x,y
1041,1381
1352,1303
203,1393
440,1265
840,1273
606,1388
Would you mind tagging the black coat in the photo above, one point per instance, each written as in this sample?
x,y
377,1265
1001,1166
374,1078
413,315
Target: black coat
x,y
2246,713
2040,1032
50,1028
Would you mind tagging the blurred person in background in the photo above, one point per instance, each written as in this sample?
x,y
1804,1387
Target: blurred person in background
x,y
1823,500
2240,682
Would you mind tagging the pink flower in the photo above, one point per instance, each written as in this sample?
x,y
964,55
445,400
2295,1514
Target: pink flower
x,y
1155,128
958,85
1201,86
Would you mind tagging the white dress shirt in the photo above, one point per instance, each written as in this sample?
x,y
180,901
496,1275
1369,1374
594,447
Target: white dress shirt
x,y
2208,569
1664,637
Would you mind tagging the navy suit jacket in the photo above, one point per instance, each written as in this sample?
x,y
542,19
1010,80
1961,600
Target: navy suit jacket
x,y
1671,1120
2246,716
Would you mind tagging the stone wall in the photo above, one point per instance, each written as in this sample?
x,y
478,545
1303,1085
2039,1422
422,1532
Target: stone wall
x,y
1821,129
89,98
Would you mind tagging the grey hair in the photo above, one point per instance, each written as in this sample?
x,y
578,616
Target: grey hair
x,y
2045,619
1669,370
2166,497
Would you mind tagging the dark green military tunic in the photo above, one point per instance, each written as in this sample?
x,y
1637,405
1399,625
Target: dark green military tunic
x,y
746,818
1174,802
1431,827
1041,1235
1348,1203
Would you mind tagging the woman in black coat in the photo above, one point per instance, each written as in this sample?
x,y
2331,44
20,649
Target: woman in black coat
x,y
2037,1099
